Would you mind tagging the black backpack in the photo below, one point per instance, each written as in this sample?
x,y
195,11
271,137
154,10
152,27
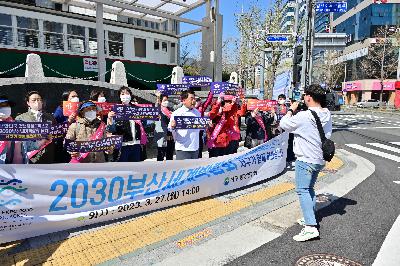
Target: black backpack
x,y
328,147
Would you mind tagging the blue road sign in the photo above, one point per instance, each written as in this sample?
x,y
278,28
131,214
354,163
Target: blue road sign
x,y
277,38
327,7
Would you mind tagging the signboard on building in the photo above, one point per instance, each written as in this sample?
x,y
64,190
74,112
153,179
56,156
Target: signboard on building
x,y
327,7
90,64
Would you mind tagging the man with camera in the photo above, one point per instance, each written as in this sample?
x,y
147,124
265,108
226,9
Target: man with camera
x,y
308,149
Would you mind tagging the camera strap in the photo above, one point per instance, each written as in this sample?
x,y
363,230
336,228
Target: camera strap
x,y
319,126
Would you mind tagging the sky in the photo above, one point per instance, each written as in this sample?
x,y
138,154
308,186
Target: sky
x,y
228,8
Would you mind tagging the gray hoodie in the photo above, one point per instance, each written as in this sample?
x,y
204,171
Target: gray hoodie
x,y
307,142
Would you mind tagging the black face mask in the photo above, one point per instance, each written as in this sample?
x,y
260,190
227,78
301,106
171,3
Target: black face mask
x,y
222,103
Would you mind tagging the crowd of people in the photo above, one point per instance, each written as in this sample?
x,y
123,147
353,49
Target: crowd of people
x,y
221,137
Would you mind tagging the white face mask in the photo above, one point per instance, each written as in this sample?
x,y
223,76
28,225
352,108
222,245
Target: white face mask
x,y
101,99
5,112
90,115
282,101
75,100
125,98
165,103
36,106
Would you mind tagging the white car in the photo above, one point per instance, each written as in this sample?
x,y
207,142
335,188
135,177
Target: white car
x,y
370,103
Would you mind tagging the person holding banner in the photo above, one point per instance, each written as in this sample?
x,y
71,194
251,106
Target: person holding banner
x,y
46,152
87,127
13,152
134,135
202,107
70,96
187,140
163,137
257,124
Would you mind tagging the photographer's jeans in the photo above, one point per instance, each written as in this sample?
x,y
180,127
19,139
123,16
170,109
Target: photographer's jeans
x,y
306,176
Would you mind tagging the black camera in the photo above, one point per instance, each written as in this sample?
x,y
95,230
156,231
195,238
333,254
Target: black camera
x,y
302,107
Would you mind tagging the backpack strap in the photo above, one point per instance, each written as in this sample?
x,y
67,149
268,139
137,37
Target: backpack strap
x,y
319,126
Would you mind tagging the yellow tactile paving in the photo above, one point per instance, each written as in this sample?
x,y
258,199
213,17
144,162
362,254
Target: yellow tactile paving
x,y
104,244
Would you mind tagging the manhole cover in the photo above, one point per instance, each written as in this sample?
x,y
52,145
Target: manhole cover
x,y
325,260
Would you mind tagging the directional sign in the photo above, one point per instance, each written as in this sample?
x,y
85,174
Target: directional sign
x,y
277,38
327,7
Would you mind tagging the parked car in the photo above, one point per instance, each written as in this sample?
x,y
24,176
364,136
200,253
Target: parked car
x,y
370,103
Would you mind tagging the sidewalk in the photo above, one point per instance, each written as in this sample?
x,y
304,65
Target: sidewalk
x,y
156,236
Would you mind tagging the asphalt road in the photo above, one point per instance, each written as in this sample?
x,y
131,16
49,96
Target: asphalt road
x,y
356,225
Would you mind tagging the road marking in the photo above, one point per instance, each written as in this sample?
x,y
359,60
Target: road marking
x,y
389,254
397,182
385,147
375,152
395,143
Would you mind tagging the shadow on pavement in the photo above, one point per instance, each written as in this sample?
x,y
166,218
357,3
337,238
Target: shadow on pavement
x,y
328,205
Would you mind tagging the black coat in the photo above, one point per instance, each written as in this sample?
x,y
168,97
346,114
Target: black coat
x,y
254,130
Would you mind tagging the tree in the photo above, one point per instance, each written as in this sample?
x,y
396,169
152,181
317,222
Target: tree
x,y
190,58
254,27
381,61
328,70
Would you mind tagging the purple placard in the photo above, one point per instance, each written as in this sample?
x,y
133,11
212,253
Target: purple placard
x,y
191,122
224,87
197,81
59,131
100,145
126,112
24,130
172,89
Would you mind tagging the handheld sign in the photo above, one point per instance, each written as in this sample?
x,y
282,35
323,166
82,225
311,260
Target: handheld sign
x,y
59,131
197,81
24,130
172,89
105,108
191,122
262,105
100,145
225,87
125,112
70,108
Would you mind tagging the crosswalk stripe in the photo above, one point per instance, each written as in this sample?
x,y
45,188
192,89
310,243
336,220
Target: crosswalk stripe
x,y
395,143
364,128
385,147
375,152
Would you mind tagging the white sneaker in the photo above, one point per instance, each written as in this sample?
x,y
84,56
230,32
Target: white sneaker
x,y
301,222
307,233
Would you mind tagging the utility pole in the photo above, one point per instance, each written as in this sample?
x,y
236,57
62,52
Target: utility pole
x,y
308,46
296,36
382,64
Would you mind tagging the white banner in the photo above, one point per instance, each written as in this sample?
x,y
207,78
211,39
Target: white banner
x,y
90,64
41,199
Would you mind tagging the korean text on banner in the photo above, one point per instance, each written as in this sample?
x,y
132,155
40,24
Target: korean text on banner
x,y
262,105
24,130
126,112
197,81
70,108
191,122
172,89
40,199
90,64
225,87
59,131
100,145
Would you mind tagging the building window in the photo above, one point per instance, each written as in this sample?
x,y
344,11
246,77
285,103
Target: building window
x,y
140,47
28,32
146,24
173,53
164,47
53,35
116,43
139,22
156,45
92,41
5,30
76,38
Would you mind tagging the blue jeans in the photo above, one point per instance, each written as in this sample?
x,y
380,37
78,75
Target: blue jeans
x,y
306,176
